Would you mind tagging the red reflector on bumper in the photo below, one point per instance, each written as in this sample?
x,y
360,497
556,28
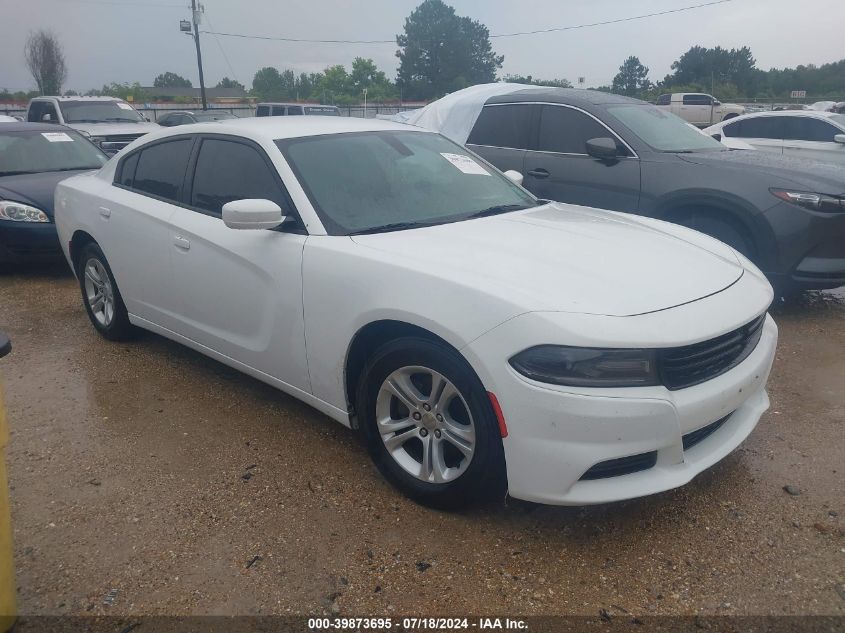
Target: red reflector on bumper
x,y
500,417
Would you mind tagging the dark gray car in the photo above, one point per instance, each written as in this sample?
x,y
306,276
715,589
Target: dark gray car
x,y
601,150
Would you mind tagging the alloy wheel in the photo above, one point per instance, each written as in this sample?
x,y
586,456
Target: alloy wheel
x,y
99,292
425,424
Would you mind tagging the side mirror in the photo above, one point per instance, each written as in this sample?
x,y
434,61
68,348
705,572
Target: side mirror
x,y
839,138
514,176
47,118
602,148
717,136
252,214
716,103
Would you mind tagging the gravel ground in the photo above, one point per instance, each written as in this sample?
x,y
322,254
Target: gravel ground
x,y
147,479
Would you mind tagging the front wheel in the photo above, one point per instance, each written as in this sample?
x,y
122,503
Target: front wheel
x,y
429,425
101,296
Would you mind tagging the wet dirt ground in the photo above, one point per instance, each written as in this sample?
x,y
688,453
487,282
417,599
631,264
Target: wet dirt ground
x,y
175,485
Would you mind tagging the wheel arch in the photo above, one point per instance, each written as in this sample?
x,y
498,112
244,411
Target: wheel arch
x,y
726,207
368,338
77,242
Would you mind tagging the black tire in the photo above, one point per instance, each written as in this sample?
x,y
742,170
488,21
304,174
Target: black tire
x,y
483,478
723,230
118,327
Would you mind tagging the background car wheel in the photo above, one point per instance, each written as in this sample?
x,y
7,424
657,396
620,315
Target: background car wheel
x,y
722,230
429,425
101,296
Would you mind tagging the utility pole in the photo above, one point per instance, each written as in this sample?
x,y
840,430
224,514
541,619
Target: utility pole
x,y
195,17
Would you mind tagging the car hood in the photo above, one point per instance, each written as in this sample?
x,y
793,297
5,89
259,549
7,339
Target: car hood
x,y
109,129
568,258
35,189
808,174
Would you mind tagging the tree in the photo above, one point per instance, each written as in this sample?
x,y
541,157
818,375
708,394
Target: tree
x,y
171,80
632,78
441,52
528,79
707,67
267,84
230,83
365,74
132,92
46,61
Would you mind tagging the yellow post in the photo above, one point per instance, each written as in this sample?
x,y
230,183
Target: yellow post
x,y
8,610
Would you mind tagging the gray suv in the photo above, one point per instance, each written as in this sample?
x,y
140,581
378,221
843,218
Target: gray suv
x,y
612,152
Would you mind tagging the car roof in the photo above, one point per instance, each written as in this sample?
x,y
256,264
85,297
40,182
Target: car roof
x,y
569,96
274,128
289,103
816,114
76,98
21,126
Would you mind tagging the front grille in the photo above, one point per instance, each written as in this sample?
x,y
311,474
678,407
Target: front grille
x,y
621,466
699,435
122,138
682,367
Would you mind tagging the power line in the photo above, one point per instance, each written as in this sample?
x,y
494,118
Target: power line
x,y
497,35
222,52
131,5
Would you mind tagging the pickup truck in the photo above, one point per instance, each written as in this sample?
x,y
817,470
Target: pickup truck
x,y
702,110
109,122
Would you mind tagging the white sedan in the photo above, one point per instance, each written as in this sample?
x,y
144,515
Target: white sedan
x,y
804,133
480,339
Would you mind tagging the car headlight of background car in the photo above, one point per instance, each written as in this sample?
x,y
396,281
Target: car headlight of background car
x,y
815,201
588,367
19,212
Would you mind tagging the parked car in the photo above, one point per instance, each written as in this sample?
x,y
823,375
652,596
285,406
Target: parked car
x,y
804,133
602,150
699,109
109,122
294,109
184,117
34,157
473,334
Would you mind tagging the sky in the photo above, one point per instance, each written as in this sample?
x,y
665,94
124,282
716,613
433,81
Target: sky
x,y
135,40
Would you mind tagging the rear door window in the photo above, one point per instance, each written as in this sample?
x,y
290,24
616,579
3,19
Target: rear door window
x,y
771,127
698,100
503,126
294,110
229,170
278,111
263,110
810,129
161,169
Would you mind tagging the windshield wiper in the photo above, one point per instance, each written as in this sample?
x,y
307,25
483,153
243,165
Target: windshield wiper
x,y
394,226
122,119
501,208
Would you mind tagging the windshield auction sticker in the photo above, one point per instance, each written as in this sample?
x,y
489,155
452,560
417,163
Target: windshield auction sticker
x,y
57,137
465,164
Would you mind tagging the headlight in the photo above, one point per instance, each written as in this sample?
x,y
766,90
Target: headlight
x,y
18,212
814,201
587,367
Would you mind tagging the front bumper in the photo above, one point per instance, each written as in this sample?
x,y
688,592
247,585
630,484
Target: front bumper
x,y
557,434
29,242
812,247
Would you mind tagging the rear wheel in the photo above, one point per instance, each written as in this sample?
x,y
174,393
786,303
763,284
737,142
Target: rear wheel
x,y
429,425
101,296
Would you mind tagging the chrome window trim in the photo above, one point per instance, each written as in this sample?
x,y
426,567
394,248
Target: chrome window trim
x,y
559,105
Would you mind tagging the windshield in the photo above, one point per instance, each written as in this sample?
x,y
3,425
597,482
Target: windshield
x,y
213,116
33,152
390,180
98,112
318,111
662,130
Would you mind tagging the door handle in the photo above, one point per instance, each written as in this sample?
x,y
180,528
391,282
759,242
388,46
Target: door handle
x,y
105,212
181,242
539,173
